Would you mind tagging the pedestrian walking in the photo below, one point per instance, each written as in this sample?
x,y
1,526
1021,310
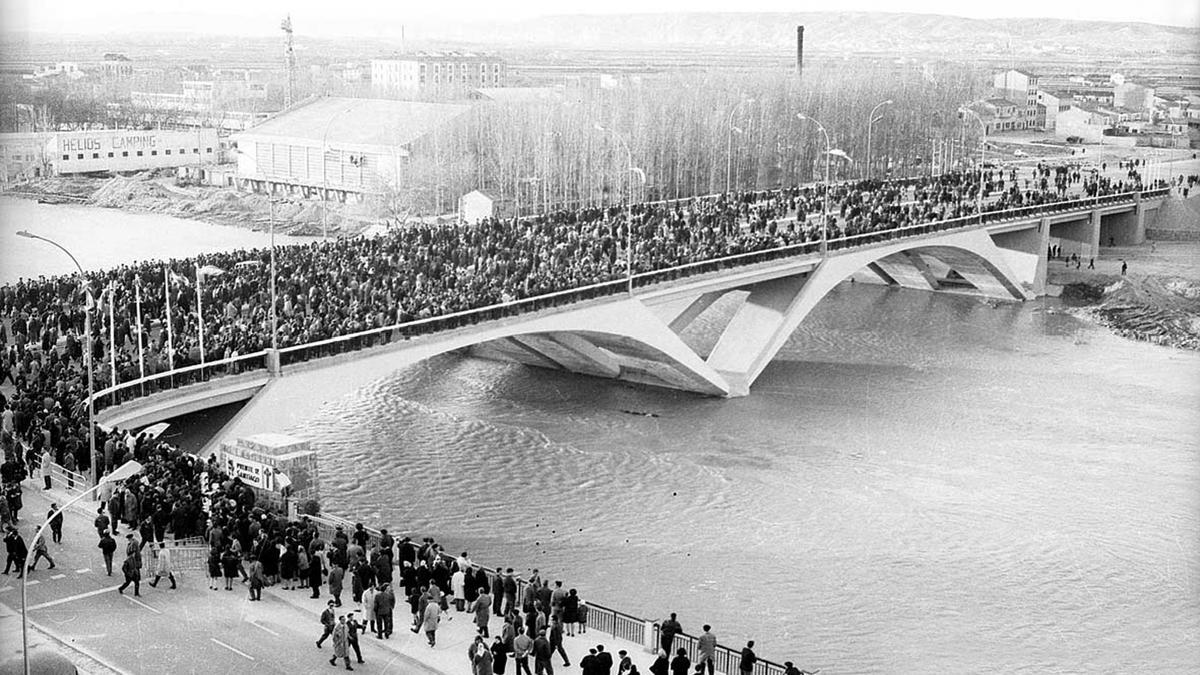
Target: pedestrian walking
x,y
497,593
368,607
47,461
662,665
40,551
604,660
483,661
162,565
101,521
1124,267
107,547
315,573
682,665
556,640
522,646
749,658
385,606
257,578
667,632
337,575
481,607
133,575
229,567
214,569
430,620
341,643
55,516
353,628
570,613
541,655
708,650
499,656
328,621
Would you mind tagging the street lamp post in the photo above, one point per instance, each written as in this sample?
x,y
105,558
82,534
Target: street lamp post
x,y
825,208
274,320
130,468
325,173
87,353
729,143
871,120
630,168
982,151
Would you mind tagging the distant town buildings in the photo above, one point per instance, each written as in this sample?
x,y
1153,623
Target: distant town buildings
x,y
437,74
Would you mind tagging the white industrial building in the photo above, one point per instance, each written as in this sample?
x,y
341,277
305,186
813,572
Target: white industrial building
x,y
342,147
132,150
29,155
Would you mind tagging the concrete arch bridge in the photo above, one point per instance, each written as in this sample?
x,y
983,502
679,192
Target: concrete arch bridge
x,y
630,329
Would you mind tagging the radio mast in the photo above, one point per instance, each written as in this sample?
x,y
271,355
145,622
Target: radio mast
x,y
289,55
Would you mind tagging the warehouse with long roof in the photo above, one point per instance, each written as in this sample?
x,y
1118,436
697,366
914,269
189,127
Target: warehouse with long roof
x,y
338,148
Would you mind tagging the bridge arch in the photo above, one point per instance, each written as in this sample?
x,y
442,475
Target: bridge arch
x,y
775,307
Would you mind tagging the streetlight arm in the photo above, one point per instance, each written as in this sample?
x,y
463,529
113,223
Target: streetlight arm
x,y
29,235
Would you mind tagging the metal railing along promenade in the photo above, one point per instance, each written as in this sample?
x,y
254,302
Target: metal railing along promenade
x,y
600,618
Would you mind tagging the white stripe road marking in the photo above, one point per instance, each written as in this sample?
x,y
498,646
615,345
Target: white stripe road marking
x,y
32,583
59,576
235,651
139,602
83,571
75,597
259,625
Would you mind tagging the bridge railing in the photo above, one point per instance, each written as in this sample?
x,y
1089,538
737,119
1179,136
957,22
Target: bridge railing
x,y
382,335
178,377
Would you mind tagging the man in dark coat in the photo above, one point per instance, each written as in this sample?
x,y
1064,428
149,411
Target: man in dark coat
x,y
497,592
17,551
605,661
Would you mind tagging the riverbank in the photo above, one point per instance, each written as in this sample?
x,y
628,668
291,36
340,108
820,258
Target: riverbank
x,y
1157,300
151,192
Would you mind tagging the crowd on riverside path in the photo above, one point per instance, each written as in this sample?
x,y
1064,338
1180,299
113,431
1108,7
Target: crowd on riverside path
x,y
331,289
373,573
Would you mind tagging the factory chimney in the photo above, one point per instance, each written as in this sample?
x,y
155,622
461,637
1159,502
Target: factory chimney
x,y
799,49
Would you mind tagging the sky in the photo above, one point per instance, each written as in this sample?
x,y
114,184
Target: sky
x,y
360,17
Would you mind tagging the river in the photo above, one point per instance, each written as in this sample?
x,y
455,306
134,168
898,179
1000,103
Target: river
x,y
918,483
103,238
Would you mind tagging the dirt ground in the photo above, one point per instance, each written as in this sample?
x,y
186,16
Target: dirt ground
x,y
1157,300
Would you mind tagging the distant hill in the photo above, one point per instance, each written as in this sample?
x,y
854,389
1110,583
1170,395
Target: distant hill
x,y
824,32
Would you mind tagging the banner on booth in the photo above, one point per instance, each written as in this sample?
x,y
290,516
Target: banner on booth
x,y
254,474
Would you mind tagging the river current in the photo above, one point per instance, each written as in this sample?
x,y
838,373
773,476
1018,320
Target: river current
x,y
917,483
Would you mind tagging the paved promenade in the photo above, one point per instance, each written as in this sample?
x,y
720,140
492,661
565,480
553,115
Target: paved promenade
x,y
197,630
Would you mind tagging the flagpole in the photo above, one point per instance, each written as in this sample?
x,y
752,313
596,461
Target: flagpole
x,y
112,335
200,313
137,295
170,330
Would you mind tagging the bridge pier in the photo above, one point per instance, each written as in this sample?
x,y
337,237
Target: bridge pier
x,y
1124,229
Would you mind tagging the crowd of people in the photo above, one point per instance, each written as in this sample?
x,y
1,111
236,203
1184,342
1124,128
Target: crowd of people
x,y
332,289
